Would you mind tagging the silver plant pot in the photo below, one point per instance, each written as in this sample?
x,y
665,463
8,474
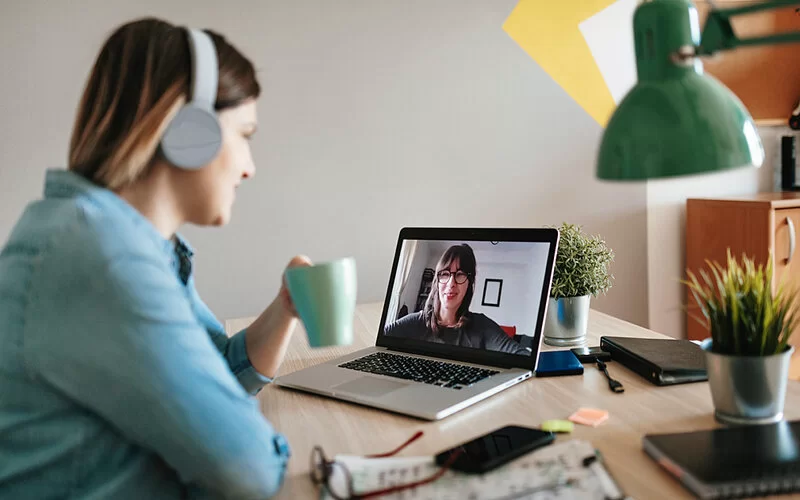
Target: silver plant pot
x,y
747,389
567,321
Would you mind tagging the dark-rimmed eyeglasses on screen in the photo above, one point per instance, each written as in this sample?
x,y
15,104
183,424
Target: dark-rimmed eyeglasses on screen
x,y
460,277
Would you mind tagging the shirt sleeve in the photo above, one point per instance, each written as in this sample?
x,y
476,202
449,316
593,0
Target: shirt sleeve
x,y
409,326
127,346
497,340
235,353
233,349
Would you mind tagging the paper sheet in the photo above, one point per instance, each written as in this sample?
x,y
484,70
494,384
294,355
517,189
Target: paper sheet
x,y
555,472
609,35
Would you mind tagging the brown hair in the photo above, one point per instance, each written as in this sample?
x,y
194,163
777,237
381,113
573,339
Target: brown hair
x,y
139,81
466,262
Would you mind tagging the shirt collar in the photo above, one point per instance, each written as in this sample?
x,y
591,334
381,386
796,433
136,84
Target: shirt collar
x,y
61,183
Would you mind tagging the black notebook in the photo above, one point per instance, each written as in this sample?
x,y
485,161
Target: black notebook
x,y
733,462
661,361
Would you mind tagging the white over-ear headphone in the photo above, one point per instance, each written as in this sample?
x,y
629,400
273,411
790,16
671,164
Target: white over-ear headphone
x,y
193,138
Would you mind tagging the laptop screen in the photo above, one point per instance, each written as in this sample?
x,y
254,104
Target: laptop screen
x,y
470,294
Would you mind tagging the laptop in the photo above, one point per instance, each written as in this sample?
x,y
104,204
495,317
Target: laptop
x,y
462,320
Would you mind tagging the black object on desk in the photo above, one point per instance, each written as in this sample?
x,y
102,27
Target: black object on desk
x,y
789,163
731,462
554,363
590,354
661,361
614,385
494,449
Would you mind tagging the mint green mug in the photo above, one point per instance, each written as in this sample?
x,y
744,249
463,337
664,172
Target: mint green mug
x,y
324,296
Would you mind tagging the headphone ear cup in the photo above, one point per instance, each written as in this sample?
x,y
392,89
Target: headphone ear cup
x,y
193,138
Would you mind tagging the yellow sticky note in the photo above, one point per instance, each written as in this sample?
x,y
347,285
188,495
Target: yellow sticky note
x,y
557,426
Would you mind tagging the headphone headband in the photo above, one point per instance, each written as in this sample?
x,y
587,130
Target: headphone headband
x,y
205,72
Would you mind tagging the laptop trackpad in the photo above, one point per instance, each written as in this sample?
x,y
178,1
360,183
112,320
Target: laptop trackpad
x,y
369,386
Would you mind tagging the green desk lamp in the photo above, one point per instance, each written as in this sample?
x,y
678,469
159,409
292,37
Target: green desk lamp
x,y
676,120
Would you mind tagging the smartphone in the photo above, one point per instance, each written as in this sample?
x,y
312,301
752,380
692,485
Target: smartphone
x,y
590,354
555,363
496,448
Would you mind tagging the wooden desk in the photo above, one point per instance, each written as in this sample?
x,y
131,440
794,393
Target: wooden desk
x,y
341,427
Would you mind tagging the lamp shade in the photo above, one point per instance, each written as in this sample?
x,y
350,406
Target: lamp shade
x,y
676,120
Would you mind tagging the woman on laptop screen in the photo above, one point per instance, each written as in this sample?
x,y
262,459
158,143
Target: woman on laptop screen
x,y
446,318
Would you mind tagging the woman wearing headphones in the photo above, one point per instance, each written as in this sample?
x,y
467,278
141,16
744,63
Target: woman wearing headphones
x,y
116,381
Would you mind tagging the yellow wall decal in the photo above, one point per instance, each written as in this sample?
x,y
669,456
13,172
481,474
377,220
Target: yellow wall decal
x,y
548,31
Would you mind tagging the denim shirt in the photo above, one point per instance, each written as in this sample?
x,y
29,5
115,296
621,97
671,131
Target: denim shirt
x,y
116,380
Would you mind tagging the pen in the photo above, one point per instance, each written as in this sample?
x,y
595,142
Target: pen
x,y
561,482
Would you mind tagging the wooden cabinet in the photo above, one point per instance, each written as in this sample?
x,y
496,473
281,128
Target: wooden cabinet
x,y
766,77
754,225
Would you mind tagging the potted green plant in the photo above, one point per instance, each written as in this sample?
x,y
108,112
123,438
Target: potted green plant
x,y
581,272
748,353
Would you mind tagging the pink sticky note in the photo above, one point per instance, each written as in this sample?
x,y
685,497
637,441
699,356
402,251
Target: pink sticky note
x,y
589,416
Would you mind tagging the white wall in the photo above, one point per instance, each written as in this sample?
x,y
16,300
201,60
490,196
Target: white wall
x,y
368,109
666,226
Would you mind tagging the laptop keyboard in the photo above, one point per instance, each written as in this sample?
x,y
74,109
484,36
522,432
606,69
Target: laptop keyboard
x,y
423,370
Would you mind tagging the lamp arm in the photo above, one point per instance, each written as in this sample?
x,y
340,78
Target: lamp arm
x,y
718,33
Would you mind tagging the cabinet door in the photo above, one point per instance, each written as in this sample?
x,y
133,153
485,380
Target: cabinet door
x,y
712,228
785,251
787,265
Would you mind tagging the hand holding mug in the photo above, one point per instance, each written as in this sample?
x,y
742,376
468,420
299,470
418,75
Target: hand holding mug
x,y
285,297
324,297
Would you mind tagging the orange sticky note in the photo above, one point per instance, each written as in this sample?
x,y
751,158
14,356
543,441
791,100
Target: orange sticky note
x,y
589,416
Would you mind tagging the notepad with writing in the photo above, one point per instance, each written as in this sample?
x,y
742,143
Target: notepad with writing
x,y
557,472
661,361
731,462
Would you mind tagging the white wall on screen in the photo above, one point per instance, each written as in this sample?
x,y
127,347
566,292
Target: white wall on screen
x,y
522,269
513,310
